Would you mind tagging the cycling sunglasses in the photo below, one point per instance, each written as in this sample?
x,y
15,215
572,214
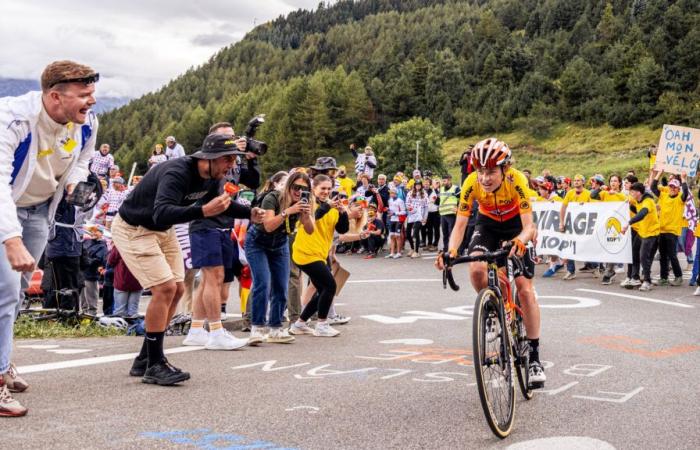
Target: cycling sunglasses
x,y
90,79
300,187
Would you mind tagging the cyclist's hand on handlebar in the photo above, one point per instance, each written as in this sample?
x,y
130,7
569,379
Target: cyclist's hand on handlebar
x,y
518,248
443,259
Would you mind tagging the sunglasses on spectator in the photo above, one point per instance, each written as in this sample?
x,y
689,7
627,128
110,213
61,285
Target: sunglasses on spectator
x,y
300,187
94,78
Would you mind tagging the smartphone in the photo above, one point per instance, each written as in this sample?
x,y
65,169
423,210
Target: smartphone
x,y
81,194
304,197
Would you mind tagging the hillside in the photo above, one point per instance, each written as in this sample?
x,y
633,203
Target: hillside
x,y
570,149
345,72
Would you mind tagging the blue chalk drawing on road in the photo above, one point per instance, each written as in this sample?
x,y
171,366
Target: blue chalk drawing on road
x,y
205,439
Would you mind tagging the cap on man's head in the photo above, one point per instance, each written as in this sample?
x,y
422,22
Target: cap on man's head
x,y
674,183
217,145
170,139
119,180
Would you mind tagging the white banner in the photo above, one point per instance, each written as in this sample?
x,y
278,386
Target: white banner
x,y
592,233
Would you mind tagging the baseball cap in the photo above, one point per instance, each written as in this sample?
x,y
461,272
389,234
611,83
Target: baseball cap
x,y
170,139
674,183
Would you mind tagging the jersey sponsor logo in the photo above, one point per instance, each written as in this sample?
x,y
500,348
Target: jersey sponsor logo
x,y
524,205
463,206
520,192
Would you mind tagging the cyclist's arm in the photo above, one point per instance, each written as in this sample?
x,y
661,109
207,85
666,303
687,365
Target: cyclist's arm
x,y
529,228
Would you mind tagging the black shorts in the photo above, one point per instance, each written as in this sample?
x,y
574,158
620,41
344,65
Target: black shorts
x,y
489,235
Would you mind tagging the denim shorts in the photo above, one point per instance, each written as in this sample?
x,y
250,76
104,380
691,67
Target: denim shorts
x,y
212,247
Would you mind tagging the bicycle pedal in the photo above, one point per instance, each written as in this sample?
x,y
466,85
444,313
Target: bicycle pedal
x,y
537,385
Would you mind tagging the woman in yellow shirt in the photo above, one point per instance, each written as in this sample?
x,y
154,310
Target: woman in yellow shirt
x,y
648,219
310,253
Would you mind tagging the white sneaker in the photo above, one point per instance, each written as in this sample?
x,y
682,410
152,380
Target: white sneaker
x,y
646,286
634,283
338,319
397,255
626,282
620,269
390,255
697,291
323,329
223,340
298,330
196,337
569,276
536,375
279,336
257,335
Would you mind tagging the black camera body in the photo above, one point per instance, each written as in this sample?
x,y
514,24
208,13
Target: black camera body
x,y
252,145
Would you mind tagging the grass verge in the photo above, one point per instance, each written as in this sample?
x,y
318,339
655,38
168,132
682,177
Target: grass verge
x,y
26,328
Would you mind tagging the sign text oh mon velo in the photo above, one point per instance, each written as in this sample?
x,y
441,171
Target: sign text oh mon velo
x,y
679,150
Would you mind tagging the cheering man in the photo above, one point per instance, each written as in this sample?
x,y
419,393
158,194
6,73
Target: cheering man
x,y
176,191
46,141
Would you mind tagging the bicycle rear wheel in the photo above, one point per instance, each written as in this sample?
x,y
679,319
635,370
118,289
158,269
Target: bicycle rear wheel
x,y
493,363
521,352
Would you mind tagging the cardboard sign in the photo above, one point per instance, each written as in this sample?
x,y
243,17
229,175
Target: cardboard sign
x,y
679,150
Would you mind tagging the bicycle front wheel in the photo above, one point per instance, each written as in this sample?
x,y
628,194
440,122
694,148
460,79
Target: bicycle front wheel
x,y
493,363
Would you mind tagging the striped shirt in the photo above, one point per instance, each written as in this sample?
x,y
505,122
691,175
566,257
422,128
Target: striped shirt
x,y
101,163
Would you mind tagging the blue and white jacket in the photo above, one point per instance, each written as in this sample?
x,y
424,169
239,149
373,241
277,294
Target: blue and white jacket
x,y
18,155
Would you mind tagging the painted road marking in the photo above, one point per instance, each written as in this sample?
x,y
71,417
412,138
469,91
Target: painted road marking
x,y
631,345
397,280
559,442
408,341
93,361
637,297
581,302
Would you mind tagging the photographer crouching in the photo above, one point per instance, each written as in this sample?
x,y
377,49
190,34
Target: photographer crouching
x,y
176,191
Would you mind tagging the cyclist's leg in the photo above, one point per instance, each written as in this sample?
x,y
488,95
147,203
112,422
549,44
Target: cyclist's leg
x,y
530,307
484,239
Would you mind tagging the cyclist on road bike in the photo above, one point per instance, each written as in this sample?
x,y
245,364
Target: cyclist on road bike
x,y
505,215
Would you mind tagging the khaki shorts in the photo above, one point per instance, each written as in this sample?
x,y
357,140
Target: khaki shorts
x,y
153,257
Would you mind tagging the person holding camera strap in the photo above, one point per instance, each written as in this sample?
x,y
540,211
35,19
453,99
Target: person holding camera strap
x,y
46,141
216,254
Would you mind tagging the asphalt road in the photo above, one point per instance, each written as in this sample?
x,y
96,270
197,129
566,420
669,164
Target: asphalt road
x,y
622,373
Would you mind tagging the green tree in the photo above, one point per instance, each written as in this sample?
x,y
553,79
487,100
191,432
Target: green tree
x,y
396,149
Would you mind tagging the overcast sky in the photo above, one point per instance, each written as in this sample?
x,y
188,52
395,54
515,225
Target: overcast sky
x,y
136,45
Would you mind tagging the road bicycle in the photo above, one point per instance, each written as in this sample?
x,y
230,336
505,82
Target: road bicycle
x,y
500,346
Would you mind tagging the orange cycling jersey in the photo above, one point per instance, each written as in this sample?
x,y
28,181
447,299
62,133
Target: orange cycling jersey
x,y
509,200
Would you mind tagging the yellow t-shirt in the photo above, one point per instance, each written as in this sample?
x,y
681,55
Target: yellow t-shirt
x,y
308,248
649,226
347,185
508,201
572,196
606,196
671,214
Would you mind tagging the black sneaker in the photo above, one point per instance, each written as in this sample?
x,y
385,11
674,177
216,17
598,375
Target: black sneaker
x,y
138,368
164,374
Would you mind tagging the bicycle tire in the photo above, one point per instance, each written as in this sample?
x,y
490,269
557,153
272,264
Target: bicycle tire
x,y
521,350
499,414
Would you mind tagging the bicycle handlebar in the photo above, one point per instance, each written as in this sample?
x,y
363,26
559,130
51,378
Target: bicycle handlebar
x,y
448,262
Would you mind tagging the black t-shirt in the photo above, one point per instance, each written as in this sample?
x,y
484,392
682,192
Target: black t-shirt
x,y
170,193
271,201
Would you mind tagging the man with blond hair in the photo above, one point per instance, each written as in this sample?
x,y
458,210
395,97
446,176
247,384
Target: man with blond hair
x,y
46,141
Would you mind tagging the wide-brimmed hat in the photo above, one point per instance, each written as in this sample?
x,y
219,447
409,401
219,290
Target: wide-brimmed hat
x,y
324,163
216,146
